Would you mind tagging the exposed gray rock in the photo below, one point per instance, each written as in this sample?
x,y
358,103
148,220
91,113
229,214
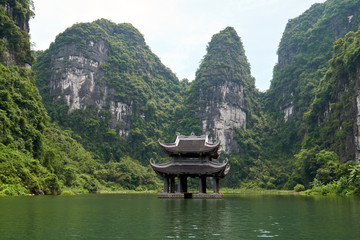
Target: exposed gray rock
x,y
357,121
78,79
319,26
225,88
224,111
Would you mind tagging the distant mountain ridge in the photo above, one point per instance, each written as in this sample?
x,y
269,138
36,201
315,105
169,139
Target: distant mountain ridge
x,y
102,73
304,52
223,89
222,100
36,156
109,100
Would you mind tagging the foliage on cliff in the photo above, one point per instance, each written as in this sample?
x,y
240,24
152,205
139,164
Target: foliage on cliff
x,y
36,157
134,76
305,50
304,53
312,148
23,119
332,114
14,36
225,61
282,154
224,78
331,121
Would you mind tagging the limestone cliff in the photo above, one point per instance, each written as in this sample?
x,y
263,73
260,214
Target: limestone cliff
x,y
304,52
73,75
14,33
223,84
104,66
333,120
356,135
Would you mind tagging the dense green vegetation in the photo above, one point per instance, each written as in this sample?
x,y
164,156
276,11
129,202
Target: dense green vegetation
x,y
290,154
225,64
297,146
14,41
331,120
304,53
137,77
47,149
37,157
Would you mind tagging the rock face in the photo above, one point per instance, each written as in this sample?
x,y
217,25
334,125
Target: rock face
x,y
222,82
333,120
106,67
73,75
304,52
78,80
356,125
14,33
223,113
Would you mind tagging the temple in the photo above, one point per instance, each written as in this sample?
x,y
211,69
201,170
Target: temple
x,y
192,156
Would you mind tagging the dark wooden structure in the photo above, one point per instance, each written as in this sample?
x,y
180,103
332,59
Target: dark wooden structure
x,y
192,156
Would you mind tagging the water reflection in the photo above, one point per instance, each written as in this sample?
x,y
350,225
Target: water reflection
x,y
195,218
146,217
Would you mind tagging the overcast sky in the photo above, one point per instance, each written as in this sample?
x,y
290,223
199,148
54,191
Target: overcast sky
x,y
178,31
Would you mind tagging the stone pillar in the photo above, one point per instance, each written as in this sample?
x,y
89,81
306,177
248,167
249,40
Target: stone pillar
x,y
202,184
179,188
172,184
166,184
182,184
216,182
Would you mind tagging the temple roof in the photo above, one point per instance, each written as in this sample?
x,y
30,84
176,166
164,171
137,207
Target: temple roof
x,y
191,145
208,168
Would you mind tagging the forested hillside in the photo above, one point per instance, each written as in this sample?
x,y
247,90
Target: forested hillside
x,y
331,144
299,97
102,81
36,157
223,94
87,115
303,59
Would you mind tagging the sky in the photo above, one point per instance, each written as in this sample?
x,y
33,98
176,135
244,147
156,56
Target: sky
x,y
178,31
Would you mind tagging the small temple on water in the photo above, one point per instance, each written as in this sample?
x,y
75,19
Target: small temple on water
x,y
192,156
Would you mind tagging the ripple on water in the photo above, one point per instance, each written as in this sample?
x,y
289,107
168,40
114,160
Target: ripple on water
x,y
265,234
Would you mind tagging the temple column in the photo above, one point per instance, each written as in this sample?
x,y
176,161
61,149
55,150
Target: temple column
x,y
172,184
179,188
216,182
166,184
185,186
202,184
182,184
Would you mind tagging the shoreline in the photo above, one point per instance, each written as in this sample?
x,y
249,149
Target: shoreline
x,y
225,191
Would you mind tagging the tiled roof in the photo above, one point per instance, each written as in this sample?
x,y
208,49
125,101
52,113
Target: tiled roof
x,y
191,145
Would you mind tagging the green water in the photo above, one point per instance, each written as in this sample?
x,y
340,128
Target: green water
x,y
143,216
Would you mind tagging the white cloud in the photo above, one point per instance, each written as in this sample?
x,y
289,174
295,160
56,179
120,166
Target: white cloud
x,y
178,31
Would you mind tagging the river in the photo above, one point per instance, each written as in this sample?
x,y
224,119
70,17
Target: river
x,y
144,216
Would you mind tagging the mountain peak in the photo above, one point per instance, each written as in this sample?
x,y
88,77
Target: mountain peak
x,y
222,81
225,50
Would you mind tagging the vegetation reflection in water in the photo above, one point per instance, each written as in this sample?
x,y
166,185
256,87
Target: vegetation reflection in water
x,y
143,216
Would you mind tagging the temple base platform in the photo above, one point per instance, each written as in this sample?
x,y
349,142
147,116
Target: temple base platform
x,y
191,195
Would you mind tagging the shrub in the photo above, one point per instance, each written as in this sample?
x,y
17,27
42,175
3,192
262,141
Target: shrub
x,y
299,188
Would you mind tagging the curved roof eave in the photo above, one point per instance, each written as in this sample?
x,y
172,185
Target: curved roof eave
x,y
209,169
